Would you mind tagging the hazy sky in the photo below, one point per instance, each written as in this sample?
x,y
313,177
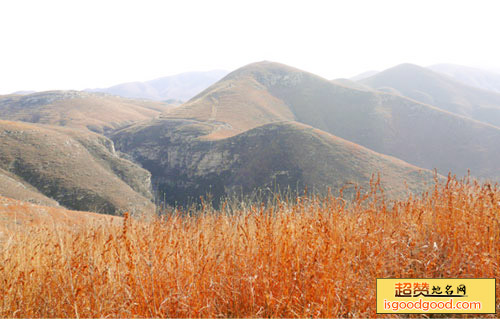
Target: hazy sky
x,y
80,44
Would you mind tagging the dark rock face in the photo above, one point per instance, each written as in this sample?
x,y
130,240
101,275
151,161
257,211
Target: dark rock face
x,y
184,167
282,157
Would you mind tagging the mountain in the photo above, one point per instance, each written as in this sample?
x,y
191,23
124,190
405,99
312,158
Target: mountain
x,y
70,167
433,88
363,75
177,87
264,126
270,157
417,133
479,78
352,84
23,92
97,112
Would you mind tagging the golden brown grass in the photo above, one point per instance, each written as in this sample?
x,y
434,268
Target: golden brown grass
x,y
14,213
318,257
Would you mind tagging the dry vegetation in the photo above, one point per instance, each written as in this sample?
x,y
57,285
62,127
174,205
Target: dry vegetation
x,y
318,257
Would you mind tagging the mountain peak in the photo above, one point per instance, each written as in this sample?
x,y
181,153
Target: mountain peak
x,y
182,86
405,72
262,67
408,68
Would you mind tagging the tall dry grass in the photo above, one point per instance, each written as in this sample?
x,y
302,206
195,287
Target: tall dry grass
x,y
317,257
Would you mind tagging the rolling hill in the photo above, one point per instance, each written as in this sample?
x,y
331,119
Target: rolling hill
x,y
265,125
94,111
271,157
479,78
433,88
415,132
74,168
176,87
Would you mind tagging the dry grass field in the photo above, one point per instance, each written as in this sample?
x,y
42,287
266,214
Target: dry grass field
x,y
315,257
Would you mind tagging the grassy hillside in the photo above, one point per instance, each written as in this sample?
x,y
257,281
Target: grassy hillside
x,y
95,111
237,103
316,258
77,169
176,87
417,133
18,216
269,158
433,88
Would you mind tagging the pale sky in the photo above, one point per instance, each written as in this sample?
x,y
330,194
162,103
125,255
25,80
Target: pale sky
x,y
86,44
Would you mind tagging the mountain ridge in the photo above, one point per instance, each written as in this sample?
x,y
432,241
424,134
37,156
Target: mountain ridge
x,y
97,112
180,86
418,133
480,78
262,126
427,86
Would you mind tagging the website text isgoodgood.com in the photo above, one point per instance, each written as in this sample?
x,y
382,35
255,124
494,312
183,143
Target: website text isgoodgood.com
x,y
425,305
